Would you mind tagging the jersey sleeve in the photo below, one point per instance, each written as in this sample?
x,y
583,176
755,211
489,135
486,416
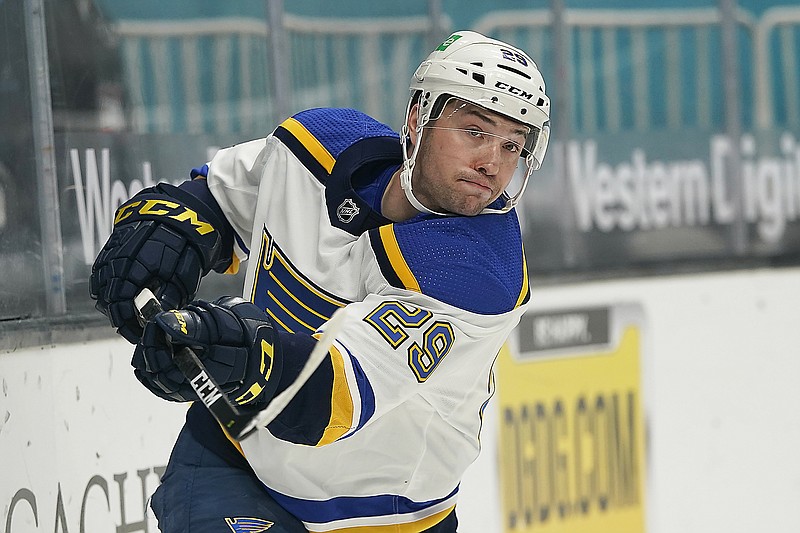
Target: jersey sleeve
x,y
234,177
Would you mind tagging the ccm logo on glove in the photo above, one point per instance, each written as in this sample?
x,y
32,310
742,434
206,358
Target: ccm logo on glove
x,y
175,211
181,321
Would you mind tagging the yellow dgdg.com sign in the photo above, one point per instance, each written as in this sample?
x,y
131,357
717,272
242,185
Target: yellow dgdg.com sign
x,y
571,423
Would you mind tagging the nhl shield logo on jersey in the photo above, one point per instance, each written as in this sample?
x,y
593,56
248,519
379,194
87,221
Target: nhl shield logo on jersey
x,y
347,211
248,525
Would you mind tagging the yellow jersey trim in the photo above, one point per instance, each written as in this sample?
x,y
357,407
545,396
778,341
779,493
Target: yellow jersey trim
x,y
395,256
341,402
524,292
314,147
233,268
232,440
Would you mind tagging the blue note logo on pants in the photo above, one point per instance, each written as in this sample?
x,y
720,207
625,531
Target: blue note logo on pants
x,y
248,525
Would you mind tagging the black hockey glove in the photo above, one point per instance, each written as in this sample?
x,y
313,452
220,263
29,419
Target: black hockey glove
x,y
165,239
233,338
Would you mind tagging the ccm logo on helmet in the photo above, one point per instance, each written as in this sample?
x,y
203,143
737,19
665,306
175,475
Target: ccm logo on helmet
x,y
513,90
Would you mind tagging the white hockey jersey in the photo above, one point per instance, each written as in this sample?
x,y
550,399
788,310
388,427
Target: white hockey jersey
x,y
429,302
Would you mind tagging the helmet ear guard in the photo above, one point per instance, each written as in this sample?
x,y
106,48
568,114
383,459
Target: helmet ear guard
x,y
488,73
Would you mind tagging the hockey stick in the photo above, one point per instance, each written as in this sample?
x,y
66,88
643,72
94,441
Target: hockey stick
x,y
238,425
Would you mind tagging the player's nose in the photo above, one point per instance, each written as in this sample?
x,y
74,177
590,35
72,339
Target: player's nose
x,y
487,158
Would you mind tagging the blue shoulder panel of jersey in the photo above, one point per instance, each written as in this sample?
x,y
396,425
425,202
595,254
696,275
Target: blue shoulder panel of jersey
x,y
337,129
474,263
319,136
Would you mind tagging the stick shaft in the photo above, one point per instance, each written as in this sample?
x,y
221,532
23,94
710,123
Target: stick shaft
x,y
207,389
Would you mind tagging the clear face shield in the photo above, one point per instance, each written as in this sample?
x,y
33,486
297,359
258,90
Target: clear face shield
x,y
532,155
536,145
536,139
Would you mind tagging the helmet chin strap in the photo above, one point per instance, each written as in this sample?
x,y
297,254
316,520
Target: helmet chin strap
x,y
409,162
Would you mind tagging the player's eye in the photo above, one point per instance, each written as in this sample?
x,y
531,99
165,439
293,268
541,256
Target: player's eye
x,y
476,133
512,147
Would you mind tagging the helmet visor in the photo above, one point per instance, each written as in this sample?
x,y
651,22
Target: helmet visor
x,y
536,139
536,145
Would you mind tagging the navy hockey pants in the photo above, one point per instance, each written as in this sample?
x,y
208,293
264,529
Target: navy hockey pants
x,y
202,493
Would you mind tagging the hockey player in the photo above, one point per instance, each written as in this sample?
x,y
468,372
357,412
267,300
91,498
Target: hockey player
x,y
413,235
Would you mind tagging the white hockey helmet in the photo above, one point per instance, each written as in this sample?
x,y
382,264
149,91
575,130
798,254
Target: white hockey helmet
x,y
488,73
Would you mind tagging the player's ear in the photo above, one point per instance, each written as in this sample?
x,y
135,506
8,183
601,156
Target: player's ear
x,y
413,120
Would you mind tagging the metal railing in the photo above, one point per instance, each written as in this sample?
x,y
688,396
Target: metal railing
x,y
776,66
630,69
625,70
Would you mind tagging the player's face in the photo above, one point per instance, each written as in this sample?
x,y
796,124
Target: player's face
x,y
467,158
